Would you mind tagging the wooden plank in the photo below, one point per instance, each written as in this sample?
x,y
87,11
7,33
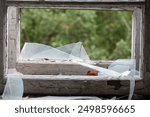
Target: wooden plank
x,y
3,43
44,67
13,36
76,5
137,35
146,49
77,85
77,77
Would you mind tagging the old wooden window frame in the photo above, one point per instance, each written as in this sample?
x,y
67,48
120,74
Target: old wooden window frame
x,y
75,85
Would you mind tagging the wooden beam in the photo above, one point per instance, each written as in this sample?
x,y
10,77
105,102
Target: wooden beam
x,y
3,42
76,4
13,36
46,67
77,85
137,36
146,50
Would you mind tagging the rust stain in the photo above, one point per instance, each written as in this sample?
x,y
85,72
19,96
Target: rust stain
x,y
92,73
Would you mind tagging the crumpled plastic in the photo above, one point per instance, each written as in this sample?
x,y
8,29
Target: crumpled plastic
x,y
119,69
126,68
14,86
74,52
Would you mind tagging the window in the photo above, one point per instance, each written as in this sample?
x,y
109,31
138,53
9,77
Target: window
x,y
87,29
77,84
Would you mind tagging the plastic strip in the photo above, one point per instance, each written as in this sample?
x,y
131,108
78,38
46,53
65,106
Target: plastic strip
x,y
126,68
101,70
14,87
74,51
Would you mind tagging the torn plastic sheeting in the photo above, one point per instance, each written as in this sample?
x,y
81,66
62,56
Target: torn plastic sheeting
x,y
54,54
126,67
14,87
30,49
132,87
74,51
119,69
122,65
101,70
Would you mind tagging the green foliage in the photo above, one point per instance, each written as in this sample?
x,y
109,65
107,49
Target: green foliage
x,y
105,34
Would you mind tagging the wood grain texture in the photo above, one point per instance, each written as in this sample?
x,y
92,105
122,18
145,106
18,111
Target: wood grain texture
x,y
44,67
76,4
13,36
137,36
77,85
146,51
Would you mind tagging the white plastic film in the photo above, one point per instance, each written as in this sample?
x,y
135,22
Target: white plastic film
x,y
30,49
14,87
77,54
126,68
122,65
74,51
104,71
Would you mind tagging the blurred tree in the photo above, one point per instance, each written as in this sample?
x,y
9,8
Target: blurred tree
x,y
105,34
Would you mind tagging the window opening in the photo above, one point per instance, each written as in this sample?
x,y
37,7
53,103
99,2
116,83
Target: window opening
x,y
106,35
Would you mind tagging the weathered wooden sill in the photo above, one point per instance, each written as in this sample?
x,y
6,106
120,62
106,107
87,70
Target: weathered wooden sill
x,y
78,85
38,79
47,67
